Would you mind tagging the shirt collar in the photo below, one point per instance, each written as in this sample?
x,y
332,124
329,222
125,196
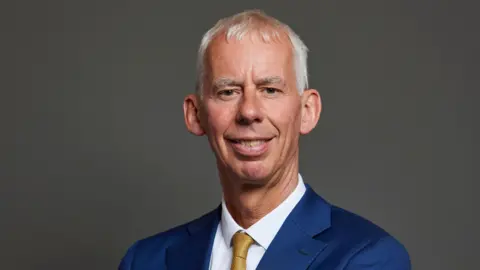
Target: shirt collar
x,y
264,230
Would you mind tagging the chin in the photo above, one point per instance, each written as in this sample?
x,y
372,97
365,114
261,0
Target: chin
x,y
254,173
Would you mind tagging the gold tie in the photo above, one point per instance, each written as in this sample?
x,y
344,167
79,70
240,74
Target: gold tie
x,y
241,244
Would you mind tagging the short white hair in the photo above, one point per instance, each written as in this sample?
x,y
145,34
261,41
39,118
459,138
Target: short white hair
x,y
268,27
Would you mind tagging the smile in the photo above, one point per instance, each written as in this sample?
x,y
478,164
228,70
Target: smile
x,y
250,147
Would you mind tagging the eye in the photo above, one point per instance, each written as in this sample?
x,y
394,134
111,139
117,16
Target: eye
x,y
226,92
270,90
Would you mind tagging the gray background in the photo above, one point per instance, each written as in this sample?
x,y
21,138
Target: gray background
x,y
95,154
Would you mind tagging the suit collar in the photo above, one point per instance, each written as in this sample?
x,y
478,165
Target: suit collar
x,y
294,247
204,222
313,213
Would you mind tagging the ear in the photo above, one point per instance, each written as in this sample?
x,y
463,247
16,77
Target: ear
x,y
191,113
311,109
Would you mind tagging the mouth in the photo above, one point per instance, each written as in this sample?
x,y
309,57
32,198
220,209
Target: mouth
x,y
250,142
250,147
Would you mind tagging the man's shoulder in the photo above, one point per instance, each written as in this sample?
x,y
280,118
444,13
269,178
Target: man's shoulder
x,y
154,247
176,233
364,241
335,222
353,225
164,238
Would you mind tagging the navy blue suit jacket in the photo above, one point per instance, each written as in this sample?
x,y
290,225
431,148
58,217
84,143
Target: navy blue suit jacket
x,y
316,235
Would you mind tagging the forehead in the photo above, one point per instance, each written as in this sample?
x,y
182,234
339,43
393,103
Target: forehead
x,y
251,54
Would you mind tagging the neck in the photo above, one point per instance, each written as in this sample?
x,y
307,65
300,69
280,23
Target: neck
x,y
248,203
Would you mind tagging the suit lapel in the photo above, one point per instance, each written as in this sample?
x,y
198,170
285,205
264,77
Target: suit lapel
x,y
194,253
294,246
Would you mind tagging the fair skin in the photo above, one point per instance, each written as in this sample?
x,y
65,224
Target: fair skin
x,y
253,115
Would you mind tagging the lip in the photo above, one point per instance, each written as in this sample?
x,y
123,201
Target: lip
x,y
247,151
249,138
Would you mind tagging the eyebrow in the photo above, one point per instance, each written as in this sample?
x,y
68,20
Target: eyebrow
x,y
270,80
222,82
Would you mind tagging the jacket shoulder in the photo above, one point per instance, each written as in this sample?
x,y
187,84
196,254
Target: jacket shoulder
x,y
353,226
355,240
151,250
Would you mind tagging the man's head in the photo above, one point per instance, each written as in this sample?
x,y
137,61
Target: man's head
x,y
252,100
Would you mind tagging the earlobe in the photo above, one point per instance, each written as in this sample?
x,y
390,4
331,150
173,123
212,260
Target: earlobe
x,y
311,109
191,112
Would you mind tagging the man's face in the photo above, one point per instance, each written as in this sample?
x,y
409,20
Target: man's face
x,y
251,110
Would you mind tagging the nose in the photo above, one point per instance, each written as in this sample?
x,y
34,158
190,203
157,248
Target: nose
x,y
249,108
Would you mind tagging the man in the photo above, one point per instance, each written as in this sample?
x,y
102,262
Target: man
x,y
253,103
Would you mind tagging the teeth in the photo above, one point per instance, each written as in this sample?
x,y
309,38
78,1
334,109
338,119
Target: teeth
x,y
252,143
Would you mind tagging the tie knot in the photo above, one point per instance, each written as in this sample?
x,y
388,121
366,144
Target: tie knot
x,y
241,244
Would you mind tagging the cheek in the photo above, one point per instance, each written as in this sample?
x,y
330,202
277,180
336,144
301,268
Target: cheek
x,y
286,117
219,119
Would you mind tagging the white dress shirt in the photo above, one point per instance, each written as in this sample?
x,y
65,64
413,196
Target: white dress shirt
x,y
263,232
